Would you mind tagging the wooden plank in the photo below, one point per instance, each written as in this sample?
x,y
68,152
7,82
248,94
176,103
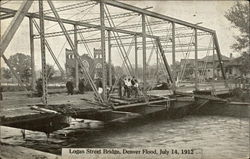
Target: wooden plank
x,y
143,104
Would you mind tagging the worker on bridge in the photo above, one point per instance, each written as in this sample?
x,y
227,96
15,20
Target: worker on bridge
x,y
70,87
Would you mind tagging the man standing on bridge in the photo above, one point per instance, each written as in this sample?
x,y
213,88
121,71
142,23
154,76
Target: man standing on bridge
x,y
70,87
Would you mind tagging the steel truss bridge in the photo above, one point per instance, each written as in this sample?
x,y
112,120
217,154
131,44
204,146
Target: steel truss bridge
x,y
161,35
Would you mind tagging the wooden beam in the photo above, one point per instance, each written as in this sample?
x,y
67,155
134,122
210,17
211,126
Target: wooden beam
x,y
142,104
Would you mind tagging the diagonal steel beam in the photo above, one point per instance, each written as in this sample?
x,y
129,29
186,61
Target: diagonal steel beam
x,y
60,22
49,49
6,16
164,59
154,14
14,25
14,73
78,23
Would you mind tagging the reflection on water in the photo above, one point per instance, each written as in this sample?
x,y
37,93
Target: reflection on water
x,y
218,137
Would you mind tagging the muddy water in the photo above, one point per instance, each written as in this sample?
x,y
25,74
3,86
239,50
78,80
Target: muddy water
x,y
216,136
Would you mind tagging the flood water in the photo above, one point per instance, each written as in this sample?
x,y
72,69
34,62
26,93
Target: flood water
x,y
217,136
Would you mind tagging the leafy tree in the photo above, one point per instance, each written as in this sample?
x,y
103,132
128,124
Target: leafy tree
x,y
21,63
244,59
6,73
50,71
238,15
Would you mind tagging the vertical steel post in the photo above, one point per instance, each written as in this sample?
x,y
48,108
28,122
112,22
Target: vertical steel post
x,y
136,58
110,59
104,72
196,58
1,98
144,56
173,54
43,56
33,72
157,64
76,62
213,62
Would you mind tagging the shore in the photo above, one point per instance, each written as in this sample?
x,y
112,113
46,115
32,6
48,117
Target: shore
x,y
19,152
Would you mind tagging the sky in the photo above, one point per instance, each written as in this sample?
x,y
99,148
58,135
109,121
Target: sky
x,y
209,13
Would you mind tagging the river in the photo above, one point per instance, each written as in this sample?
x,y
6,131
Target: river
x,y
216,136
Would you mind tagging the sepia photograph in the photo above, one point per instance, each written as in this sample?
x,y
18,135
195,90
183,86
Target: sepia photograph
x,y
120,79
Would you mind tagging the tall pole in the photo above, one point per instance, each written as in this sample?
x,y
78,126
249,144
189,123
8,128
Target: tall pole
x,y
136,57
43,57
104,73
110,60
144,56
1,96
213,62
173,53
157,64
196,58
76,62
33,72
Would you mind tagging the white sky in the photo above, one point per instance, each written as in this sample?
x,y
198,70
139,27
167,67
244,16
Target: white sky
x,y
210,13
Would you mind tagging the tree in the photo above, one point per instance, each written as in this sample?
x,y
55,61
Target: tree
x,y
50,71
6,73
244,61
238,15
21,63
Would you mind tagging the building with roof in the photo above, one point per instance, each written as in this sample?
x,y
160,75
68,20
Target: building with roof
x,y
92,65
208,67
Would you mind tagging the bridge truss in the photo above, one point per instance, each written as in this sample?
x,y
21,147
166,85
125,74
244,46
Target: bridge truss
x,y
142,29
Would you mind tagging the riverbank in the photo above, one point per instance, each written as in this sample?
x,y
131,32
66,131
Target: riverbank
x,y
18,152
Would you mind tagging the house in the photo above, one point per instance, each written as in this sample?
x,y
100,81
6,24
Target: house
x,y
233,68
208,67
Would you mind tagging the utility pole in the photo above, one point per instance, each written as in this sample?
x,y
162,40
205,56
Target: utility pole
x,y
43,56
104,72
76,62
33,72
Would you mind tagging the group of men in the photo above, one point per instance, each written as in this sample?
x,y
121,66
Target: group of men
x,y
70,86
128,86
